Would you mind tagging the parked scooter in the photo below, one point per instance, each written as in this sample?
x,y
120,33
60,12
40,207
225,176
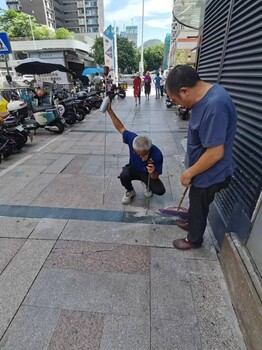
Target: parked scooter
x,y
7,146
169,102
183,112
19,110
49,120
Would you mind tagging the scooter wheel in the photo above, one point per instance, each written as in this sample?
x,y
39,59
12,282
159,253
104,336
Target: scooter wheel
x,y
70,118
168,106
98,104
80,115
60,127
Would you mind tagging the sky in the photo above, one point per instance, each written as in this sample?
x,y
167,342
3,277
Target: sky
x,y
157,16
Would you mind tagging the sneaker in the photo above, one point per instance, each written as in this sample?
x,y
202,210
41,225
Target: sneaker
x,y
147,192
127,198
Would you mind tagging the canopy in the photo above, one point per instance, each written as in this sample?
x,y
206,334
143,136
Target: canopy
x,y
38,66
92,70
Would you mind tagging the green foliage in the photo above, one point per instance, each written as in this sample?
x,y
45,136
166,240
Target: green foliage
x,y
127,54
42,32
63,33
98,51
17,25
181,56
154,56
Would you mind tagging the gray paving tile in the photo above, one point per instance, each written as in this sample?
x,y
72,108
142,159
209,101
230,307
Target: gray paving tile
x,y
17,227
112,293
17,278
105,232
171,296
31,190
8,248
31,329
216,328
48,229
77,331
83,256
126,333
67,192
173,335
59,164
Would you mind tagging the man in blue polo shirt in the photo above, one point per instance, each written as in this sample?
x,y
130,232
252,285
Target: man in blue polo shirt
x,y
211,133
145,162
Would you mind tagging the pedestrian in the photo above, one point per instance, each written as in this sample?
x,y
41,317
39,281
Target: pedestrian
x,y
147,84
157,81
98,81
211,133
162,83
108,84
145,162
137,82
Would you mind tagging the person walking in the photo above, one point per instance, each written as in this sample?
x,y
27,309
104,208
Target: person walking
x,y
147,84
145,162
157,81
162,83
98,81
211,132
137,82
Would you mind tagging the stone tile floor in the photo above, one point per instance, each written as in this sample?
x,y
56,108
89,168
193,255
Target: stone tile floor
x,y
78,271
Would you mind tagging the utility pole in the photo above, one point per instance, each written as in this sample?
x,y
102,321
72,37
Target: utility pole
x,y
142,44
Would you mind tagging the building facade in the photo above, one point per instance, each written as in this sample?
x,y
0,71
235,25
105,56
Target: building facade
x,y
77,16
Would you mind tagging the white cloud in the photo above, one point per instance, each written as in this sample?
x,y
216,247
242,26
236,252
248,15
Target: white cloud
x,y
133,9
159,23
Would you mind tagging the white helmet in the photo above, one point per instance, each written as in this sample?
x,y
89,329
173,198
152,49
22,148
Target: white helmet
x,y
16,105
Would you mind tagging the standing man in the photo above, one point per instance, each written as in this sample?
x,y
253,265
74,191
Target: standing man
x,y
145,163
157,81
98,81
211,133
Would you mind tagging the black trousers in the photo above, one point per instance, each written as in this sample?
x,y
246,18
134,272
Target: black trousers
x,y
129,174
199,201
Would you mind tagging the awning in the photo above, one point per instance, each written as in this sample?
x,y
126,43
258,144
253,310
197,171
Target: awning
x,y
92,70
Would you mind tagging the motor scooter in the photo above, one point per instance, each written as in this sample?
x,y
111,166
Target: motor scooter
x,y
49,120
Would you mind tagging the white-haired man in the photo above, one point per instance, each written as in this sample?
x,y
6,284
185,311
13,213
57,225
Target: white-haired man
x,y
145,162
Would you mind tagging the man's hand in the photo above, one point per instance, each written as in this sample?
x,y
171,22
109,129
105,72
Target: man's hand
x,y
150,168
186,178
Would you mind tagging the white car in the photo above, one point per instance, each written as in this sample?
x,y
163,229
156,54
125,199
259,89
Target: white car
x,y
28,78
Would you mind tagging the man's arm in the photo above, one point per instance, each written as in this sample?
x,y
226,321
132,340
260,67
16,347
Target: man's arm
x,y
117,123
206,161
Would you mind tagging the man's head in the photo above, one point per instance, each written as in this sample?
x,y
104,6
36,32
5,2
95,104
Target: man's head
x,y
97,73
180,85
142,145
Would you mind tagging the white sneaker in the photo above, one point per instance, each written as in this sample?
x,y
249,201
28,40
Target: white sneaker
x,y
127,198
147,192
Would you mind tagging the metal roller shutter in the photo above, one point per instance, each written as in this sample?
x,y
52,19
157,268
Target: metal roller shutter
x,y
239,70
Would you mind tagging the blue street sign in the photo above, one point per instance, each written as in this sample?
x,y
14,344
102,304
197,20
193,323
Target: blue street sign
x,y
5,47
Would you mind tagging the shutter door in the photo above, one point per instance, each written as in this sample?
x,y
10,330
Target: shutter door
x,y
235,62
213,39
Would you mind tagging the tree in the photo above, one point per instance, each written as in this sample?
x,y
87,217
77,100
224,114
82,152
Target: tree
x,y
43,32
126,54
154,56
63,33
98,51
16,24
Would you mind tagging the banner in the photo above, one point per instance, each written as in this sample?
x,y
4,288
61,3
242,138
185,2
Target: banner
x,y
108,39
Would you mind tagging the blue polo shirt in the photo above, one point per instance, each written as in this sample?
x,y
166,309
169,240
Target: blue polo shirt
x,y
212,123
136,161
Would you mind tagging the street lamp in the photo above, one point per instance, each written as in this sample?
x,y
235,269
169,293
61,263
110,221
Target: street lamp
x,y
142,45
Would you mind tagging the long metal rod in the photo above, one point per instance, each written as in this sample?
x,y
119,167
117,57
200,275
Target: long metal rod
x,y
104,175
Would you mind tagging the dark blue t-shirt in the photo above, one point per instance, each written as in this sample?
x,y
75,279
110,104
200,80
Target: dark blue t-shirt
x,y
157,81
212,123
136,161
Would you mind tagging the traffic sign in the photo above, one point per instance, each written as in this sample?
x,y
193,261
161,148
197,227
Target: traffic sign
x,y
5,47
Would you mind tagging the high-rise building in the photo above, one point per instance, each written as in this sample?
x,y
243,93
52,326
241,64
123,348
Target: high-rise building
x,y
78,16
131,32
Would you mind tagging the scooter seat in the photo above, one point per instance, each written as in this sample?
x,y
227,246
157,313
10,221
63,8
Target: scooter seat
x,y
42,108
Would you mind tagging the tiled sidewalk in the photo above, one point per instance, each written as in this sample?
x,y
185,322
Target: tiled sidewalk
x,y
78,271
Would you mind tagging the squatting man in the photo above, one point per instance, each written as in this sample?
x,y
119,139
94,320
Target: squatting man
x,y
145,162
